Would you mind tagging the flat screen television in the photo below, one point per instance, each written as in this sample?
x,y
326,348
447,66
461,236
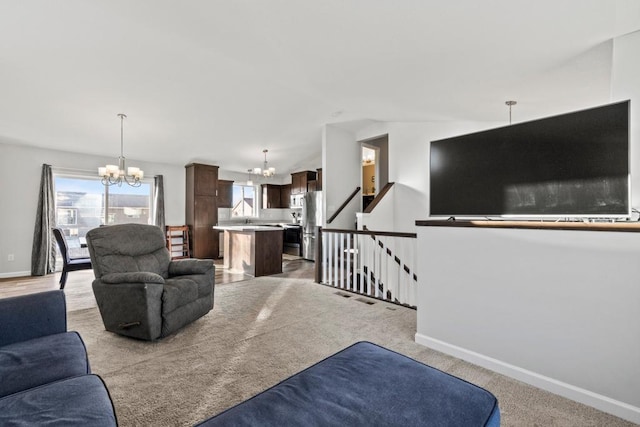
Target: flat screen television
x,y
573,165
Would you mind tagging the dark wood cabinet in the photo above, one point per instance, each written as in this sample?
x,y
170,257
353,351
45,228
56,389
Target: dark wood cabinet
x,y
201,209
285,196
225,193
296,183
319,179
300,180
270,196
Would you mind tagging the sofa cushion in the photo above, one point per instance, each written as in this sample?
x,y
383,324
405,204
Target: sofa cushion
x,y
178,291
31,316
41,360
77,401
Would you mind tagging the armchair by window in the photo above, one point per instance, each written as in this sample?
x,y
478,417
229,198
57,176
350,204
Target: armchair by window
x,y
140,291
69,262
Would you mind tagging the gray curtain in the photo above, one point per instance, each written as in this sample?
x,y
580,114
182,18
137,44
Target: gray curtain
x,y
158,201
43,252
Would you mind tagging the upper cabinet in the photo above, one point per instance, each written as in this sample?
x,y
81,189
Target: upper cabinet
x,y
225,193
279,196
285,196
276,196
300,181
203,179
270,196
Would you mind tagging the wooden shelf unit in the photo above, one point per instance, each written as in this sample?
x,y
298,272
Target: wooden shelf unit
x,y
178,241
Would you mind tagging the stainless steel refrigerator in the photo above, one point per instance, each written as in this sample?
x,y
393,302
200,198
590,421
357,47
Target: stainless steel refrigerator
x,y
311,218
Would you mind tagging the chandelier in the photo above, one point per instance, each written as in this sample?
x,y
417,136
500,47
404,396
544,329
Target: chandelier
x,y
265,171
115,174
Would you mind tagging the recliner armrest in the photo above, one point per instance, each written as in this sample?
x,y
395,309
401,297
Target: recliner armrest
x,y
181,267
32,316
132,277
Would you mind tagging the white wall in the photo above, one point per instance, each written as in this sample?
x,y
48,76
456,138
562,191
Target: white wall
x,y
626,85
382,217
20,170
341,171
559,309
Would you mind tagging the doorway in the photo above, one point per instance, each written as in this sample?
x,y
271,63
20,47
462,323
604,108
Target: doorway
x,y
375,168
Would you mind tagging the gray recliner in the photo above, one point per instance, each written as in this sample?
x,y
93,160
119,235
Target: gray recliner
x,y
140,291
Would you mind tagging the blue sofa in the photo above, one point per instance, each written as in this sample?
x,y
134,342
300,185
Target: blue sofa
x,y
45,377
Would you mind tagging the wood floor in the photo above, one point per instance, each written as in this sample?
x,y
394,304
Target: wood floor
x,y
79,294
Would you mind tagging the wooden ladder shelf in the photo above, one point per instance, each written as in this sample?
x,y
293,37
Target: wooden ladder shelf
x,y
178,241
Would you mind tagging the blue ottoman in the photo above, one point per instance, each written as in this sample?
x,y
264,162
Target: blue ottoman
x,y
366,385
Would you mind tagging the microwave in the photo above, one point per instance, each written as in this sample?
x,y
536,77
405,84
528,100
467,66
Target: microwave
x,y
296,200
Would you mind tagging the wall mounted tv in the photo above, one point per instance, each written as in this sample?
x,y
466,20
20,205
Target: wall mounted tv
x,y
573,165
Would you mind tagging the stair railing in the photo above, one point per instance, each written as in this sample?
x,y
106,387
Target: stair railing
x,y
379,197
343,205
377,264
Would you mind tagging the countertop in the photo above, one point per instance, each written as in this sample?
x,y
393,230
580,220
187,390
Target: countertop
x,y
247,227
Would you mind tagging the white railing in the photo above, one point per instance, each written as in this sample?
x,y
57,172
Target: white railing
x,y
373,263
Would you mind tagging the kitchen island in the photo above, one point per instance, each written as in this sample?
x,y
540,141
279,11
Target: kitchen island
x,y
255,250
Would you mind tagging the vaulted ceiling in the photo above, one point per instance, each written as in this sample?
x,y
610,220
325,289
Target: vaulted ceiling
x,y
219,81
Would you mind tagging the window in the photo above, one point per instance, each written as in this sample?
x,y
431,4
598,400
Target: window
x,y
66,216
244,201
83,203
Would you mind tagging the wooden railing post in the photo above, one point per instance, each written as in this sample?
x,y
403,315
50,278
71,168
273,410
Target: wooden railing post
x,y
318,255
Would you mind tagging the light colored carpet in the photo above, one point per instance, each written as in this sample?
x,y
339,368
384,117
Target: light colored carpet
x,y
264,330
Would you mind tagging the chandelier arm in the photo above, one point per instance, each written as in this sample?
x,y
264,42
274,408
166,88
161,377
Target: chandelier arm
x,y
135,183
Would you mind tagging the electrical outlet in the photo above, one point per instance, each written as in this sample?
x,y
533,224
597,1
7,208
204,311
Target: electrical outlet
x,y
10,257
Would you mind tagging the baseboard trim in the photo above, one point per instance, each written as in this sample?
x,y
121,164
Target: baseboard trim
x,y
15,274
595,400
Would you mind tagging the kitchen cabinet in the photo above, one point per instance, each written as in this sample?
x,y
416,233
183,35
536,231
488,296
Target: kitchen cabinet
x,y
319,179
276,196
225,193
300,180
201,209
285,196
270,196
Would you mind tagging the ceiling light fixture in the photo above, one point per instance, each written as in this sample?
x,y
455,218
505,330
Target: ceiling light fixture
x,y
115,174
265,171
510,104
